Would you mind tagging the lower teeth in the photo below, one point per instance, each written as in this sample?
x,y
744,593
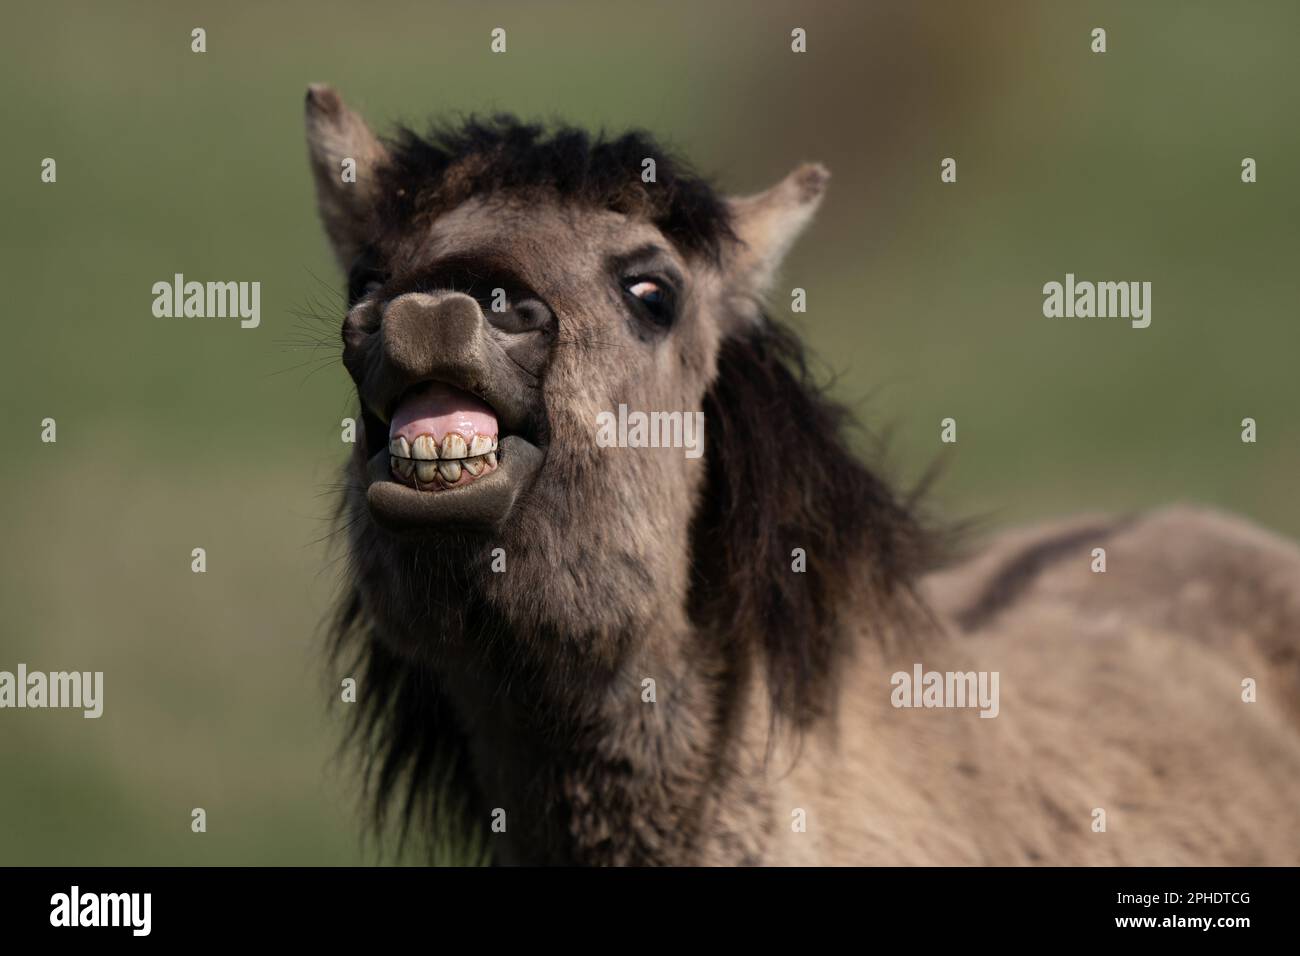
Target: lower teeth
x,y
449,470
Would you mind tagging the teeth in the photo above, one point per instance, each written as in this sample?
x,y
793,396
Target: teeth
x,y
422,459
453,446
424,448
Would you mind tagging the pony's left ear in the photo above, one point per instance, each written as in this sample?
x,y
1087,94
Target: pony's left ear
x,y
765,227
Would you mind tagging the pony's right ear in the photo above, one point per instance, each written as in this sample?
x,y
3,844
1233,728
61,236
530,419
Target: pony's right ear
x,y
344,156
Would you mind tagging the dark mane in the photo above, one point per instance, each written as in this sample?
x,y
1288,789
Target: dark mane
x,y
859,537
431,173
414,756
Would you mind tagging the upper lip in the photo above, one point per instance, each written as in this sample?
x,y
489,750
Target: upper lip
x,y
515,412
514,401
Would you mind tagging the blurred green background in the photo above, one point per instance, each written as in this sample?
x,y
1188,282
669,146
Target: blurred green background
x,y
924,298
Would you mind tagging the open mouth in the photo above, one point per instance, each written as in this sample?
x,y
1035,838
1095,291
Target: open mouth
x,y
450,460
441,438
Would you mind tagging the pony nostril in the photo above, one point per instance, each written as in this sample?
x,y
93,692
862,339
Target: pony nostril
x,y
360,321
528,315
358,325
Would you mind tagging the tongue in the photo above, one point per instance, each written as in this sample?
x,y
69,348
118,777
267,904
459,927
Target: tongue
x,y
438,410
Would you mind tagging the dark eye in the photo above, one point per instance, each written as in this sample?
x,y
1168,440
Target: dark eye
x,y
653,298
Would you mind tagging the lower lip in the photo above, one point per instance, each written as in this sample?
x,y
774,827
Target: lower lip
x,y
480,504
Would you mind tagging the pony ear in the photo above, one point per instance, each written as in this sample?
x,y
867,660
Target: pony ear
x,y
344,155
781,477
766,225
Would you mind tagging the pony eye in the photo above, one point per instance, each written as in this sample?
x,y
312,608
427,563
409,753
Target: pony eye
x,y
653,297
647,291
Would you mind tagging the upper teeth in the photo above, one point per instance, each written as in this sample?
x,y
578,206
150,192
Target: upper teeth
x,y
454,446
424,448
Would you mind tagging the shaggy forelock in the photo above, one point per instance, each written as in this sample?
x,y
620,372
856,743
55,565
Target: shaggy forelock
x,y
427,175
